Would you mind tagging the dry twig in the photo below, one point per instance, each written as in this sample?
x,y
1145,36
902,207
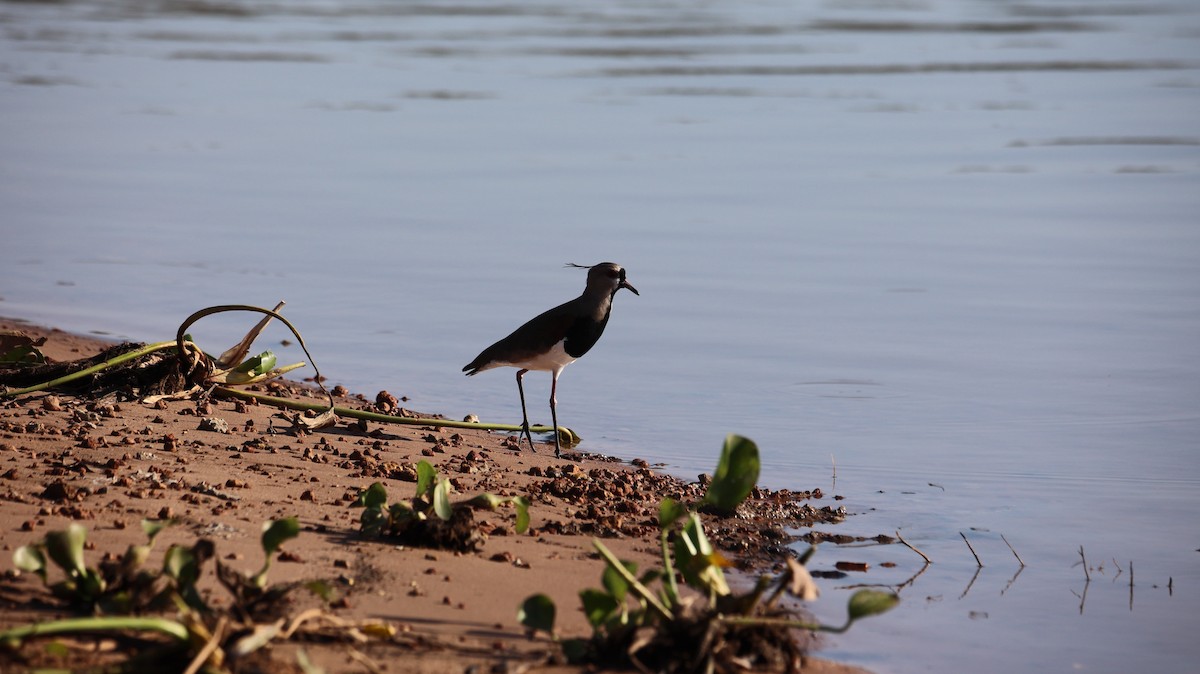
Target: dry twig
x,y
972,549
213,643
910,547
1010,547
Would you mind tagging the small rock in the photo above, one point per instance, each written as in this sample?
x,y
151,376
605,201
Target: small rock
x,y
215,424
59,491
386,401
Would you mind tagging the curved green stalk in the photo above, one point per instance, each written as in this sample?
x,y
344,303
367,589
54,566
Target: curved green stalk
x,y
138,353
97,624
634,584
391,419
566,435
180,333
669,569
782,622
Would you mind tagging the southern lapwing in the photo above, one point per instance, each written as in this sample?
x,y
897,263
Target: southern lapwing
x,y
556,338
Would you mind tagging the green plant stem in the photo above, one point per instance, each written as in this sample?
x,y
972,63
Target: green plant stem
x,y
150,348
669,569
98,624
782,622
179,336
386,418
642,591
571,437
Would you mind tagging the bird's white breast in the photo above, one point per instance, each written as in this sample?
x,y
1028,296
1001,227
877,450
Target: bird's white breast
x,y
553,360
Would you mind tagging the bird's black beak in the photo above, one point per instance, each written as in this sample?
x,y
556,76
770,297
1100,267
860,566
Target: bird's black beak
x,y
628,285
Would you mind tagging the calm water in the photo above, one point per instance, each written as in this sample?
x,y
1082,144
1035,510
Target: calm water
x,y
950,248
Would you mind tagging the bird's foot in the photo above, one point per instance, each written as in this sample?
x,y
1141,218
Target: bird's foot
x,y
528,436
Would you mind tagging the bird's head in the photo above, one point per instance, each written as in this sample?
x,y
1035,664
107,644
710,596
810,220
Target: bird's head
x,y
606,276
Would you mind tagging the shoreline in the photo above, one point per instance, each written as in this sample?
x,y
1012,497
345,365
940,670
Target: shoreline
x,y
119,461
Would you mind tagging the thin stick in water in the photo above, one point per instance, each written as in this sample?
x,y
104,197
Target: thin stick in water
x,y
1131,585
972,549
1012,580
910,547
972,583
1086,574
1010,547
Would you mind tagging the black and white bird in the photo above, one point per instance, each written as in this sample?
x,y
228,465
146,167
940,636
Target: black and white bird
x,y
557,337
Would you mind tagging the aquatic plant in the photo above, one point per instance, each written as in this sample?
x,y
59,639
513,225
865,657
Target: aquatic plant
x,y
708,627
207,638
119,586
451,525
191,372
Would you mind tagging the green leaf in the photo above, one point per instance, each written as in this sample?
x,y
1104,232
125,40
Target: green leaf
x,y
597,606
699,563
17,348
537,613
66,549
576,650
866,603
180,564
441,500
275,533
260,364
91,585
669,512
322,589
485,500
736,474
371,522
152,527
22,355
135,556
615,583
30,558
374,496
426,474
183,566
522,505
650,576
